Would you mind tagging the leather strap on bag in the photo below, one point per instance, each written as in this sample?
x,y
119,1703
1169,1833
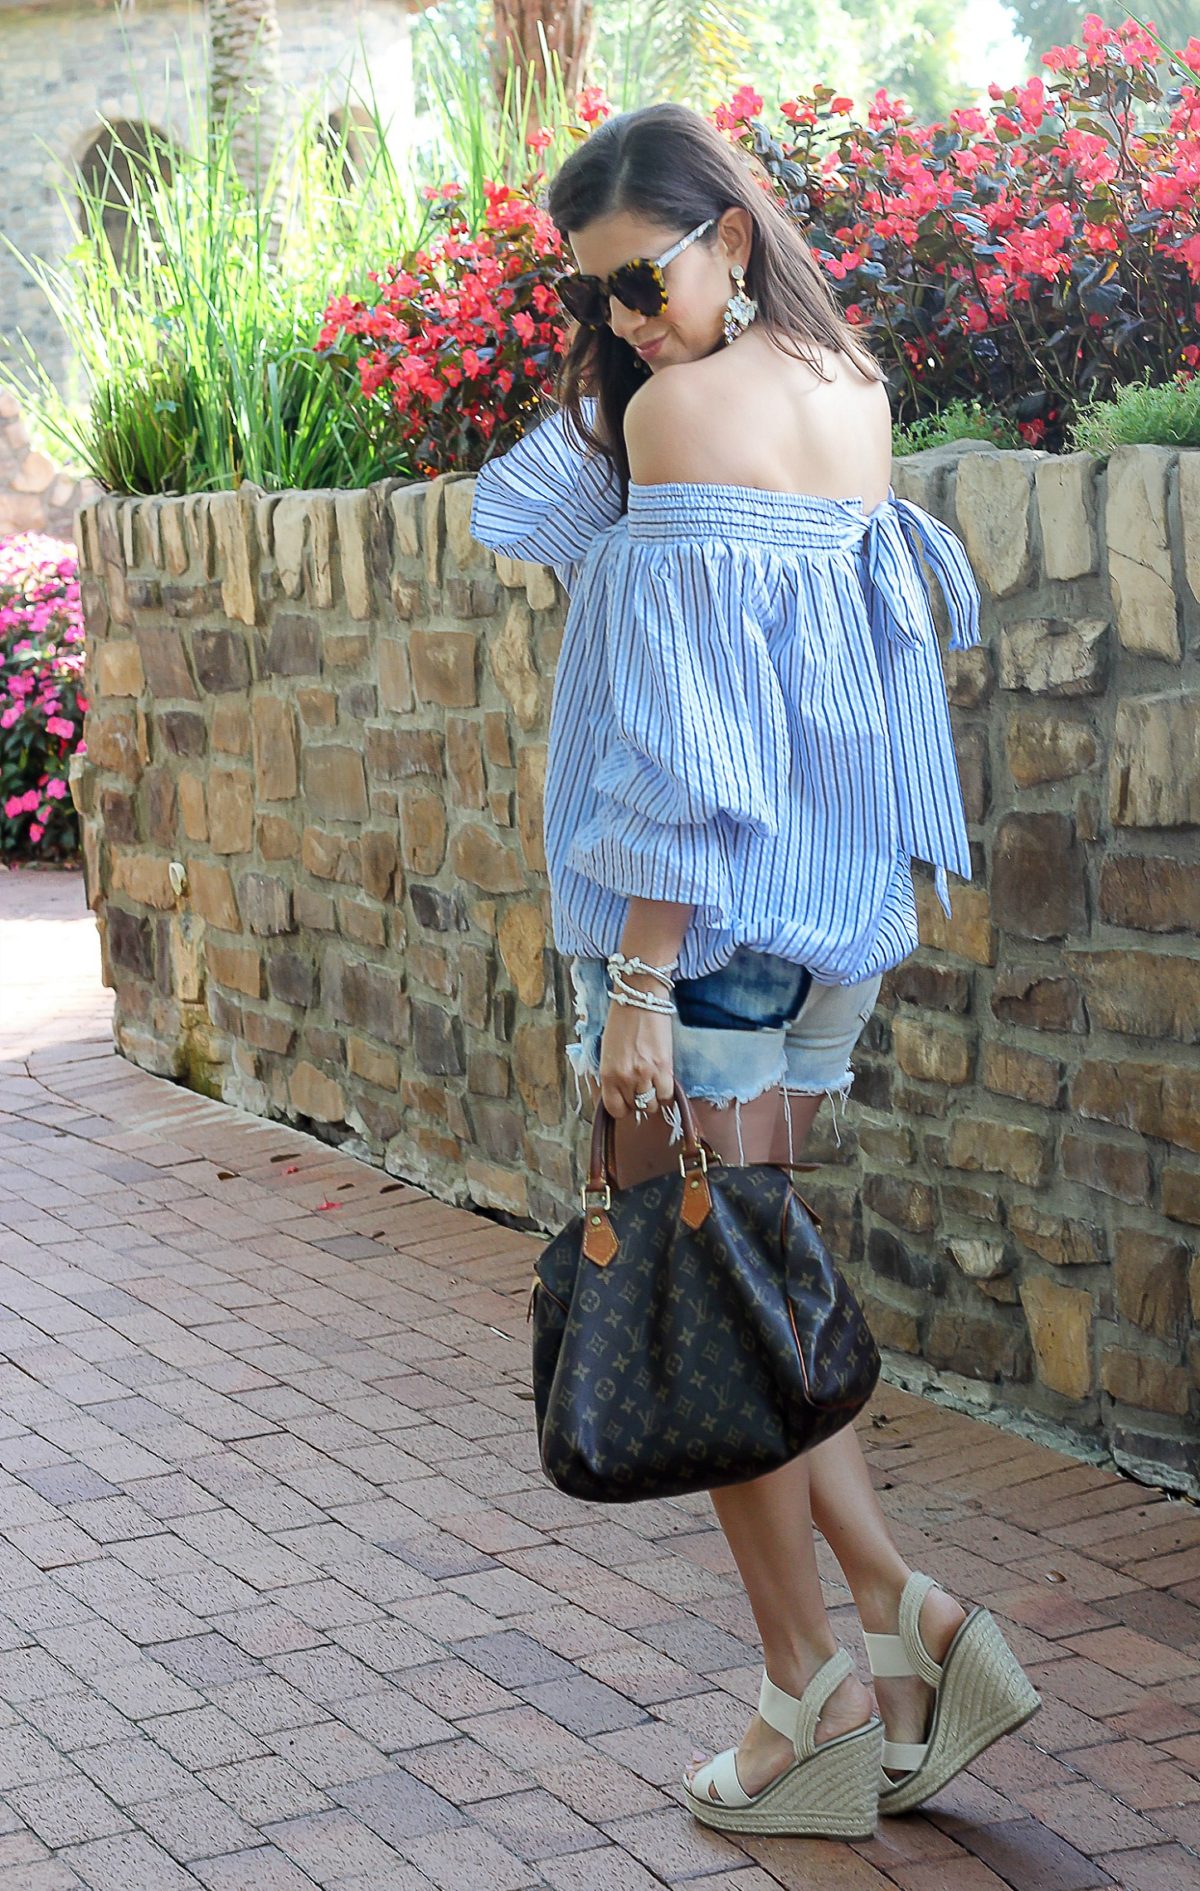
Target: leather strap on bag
x,y
600,1242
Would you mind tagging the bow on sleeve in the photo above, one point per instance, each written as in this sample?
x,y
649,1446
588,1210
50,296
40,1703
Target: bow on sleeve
x,y
932,821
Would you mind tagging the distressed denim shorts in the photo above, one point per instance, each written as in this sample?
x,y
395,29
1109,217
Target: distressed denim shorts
x,y
756,1022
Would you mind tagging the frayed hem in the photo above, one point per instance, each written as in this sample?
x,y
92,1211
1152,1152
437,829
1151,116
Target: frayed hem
x,y
581,1066
724,1103
837,1092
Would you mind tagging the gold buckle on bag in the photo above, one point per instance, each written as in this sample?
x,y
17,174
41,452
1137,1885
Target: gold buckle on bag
x,y
585,1191
697,1199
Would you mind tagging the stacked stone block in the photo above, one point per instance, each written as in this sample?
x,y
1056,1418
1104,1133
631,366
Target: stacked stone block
x,y
35,495
1021,1187
328,711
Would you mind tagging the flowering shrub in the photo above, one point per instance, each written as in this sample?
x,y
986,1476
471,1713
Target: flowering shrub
x,y
464,338
41,709
1031,257
1025,260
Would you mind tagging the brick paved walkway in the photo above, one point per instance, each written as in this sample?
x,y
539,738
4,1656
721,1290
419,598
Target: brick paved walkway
x,y
284,1601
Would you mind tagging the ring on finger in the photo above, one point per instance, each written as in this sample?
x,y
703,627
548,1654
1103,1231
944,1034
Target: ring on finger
x,y
643,1099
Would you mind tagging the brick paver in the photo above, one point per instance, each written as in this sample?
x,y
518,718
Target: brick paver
x,y
284,1600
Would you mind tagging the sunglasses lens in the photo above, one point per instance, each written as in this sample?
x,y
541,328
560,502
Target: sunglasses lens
x,y
585,298
639,285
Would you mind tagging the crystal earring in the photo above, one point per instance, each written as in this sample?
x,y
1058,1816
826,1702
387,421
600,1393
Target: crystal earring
x,y
741,309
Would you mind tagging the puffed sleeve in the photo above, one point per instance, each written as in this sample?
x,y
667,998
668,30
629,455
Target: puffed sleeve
x,y
546,498
696,759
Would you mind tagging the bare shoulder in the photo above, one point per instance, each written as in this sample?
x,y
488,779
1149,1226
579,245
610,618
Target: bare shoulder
x,y
665,425
839,383
759,415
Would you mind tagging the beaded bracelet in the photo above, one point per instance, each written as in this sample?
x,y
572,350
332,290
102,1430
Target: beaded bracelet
x,y
618,962
623,993
642,1001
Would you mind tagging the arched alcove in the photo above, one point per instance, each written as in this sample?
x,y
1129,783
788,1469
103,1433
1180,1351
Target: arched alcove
x,y
109,171
351,137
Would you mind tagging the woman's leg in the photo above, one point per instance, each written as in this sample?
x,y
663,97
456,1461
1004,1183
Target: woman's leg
x,y
831,1487
848,1514
768,1526
850,1517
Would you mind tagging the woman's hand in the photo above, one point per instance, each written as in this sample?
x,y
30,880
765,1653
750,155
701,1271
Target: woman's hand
x,y
636,1055
636,1051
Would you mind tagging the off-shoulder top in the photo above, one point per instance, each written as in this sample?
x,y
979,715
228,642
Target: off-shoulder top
x,y
749,712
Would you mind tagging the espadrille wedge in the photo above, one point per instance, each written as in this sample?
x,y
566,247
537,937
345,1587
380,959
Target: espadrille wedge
x,y
830,1792
980,1693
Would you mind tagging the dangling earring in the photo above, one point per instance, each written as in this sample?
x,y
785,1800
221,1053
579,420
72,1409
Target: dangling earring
x,y
741,309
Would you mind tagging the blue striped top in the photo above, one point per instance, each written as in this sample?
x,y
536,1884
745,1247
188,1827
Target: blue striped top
x,y
749,712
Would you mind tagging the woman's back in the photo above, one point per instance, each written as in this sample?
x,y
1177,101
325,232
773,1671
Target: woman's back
x,y
759,416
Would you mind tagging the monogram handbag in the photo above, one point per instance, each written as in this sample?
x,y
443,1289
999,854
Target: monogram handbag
x,y
690,1331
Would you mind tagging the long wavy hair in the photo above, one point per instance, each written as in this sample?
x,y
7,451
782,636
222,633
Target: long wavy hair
x,y
667,163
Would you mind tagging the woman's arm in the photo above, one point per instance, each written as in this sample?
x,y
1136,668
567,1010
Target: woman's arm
x,y
636,1053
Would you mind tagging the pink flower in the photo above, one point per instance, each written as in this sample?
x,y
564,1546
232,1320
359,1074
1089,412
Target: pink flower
x,y
592,105
57,789
58,725
746,103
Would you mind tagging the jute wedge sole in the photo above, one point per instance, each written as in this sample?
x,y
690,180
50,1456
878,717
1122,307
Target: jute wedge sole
x,y
981,1693
831,1791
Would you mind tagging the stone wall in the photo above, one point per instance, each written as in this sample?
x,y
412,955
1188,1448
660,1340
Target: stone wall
x,y
35,494
313,806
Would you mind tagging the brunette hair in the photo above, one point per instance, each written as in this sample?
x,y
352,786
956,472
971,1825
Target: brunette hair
x,y
669,164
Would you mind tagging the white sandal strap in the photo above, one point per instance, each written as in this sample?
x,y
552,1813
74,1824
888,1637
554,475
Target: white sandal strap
x,y
887,1656
723,1774
914,1593
797,1719
903,1756
891,1656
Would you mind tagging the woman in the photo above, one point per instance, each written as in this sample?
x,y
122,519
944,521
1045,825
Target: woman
x,y
749,744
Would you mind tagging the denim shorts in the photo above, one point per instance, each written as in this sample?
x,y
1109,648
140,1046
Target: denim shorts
x,y
756,1022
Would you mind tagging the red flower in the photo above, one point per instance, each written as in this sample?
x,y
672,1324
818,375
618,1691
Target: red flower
x,y
746,102
592,105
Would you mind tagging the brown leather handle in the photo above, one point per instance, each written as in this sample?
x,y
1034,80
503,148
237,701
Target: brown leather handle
x,y
602,1166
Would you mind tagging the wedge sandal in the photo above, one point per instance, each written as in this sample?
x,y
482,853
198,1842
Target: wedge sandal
x,y
981,1693
830,1792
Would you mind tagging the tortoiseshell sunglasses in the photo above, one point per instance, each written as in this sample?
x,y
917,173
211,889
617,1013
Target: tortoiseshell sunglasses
x,y
639,285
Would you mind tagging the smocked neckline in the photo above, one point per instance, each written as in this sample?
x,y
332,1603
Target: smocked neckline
x,y
644,492
760,515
